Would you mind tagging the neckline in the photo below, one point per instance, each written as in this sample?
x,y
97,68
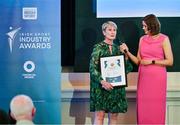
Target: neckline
x,y
154,37
108,43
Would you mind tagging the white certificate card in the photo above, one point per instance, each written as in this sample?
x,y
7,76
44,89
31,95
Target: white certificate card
x,y
113,70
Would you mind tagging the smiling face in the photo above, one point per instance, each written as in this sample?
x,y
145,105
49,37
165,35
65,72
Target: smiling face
x,y
110,32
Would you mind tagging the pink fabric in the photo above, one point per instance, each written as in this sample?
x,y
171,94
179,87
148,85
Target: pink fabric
x,y
151,92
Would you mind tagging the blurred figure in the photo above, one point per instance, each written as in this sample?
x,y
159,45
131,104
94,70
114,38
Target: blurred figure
x,y
154,55
22,109
4,118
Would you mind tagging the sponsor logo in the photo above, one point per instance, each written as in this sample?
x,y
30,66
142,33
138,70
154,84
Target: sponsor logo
x,y
29,67
11,36
29,13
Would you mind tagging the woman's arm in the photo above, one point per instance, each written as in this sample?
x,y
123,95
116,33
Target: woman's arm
x,y
168,61
135,59
94,70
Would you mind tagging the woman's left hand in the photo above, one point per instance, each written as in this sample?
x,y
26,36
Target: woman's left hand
x,y
145,62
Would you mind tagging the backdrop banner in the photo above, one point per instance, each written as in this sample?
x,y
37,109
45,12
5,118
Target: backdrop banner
x,y
30,55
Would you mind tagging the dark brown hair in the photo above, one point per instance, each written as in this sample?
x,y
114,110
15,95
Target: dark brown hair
x,y
153,24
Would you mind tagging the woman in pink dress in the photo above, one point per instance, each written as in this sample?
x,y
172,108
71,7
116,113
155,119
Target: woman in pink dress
x,y
154,54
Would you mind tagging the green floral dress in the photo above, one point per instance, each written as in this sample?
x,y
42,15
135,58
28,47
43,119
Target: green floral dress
x,y
113,101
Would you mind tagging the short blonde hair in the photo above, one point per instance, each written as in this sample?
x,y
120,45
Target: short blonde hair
x,y
108,23
21,105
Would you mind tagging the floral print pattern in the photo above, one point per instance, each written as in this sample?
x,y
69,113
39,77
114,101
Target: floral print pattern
x,y
114,100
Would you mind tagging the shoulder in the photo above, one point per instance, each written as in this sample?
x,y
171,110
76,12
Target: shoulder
x,y
98,48
143,37
164,38
163,35
99,45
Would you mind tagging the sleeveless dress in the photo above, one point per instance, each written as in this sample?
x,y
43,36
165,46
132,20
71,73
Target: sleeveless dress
x,y
113,101
151,89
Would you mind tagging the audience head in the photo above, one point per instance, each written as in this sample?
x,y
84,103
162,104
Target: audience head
x,y
22,107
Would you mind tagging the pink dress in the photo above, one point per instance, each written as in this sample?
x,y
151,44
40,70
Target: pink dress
x,y
151,89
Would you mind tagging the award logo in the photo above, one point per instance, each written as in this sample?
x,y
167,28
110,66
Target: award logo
x,y
28,40
11,36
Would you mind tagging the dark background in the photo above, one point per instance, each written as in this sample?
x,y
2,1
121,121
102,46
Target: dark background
x,y
81,30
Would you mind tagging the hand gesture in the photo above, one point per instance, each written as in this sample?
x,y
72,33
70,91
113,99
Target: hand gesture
x,y
124,48
106,85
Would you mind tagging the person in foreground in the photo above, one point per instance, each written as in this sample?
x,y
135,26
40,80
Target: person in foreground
x,y
104,98
22,109
154,54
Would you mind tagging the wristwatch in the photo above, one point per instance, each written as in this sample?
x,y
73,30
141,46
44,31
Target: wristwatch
x,y
153,61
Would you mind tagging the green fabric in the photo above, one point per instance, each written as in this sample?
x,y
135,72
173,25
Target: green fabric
x,y
113,101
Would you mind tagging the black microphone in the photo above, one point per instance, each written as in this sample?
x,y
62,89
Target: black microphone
x,y
125,51
118,42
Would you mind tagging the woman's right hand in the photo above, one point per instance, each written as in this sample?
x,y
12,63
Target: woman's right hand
x,y
123,48
106,85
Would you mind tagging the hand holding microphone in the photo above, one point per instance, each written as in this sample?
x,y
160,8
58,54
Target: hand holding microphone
x,y
125,51
124,48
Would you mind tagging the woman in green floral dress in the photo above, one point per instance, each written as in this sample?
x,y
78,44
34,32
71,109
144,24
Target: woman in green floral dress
x,y
104,98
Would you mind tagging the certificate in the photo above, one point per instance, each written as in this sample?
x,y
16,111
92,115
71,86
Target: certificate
x,y
113,70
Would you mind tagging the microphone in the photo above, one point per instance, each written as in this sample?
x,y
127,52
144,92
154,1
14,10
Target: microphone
x,y
118,42
125,51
